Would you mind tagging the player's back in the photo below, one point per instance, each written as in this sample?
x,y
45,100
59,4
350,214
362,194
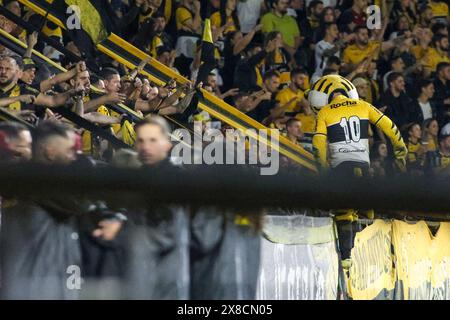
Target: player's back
x,y
345,122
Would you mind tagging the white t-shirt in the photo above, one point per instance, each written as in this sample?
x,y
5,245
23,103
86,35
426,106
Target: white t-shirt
x,y
426,110
321,61
248,12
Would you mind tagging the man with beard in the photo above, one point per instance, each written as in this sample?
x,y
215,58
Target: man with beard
x,y
82,82
11,69
436,54
292,97
94,106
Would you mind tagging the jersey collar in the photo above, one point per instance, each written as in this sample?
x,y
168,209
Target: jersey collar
x,y
8,88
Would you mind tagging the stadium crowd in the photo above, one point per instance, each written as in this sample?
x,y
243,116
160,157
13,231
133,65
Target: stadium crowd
x,y
268,54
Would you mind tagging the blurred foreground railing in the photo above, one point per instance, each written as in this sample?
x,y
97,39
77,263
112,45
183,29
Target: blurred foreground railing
x,y
229,186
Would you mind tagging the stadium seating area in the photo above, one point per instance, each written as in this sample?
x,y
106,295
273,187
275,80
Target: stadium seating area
x,y
86,83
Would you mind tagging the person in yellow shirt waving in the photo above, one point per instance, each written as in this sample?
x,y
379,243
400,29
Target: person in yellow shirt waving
x,y
364,47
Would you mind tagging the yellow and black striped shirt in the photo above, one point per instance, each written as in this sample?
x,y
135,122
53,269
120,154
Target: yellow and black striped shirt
x,y
345,124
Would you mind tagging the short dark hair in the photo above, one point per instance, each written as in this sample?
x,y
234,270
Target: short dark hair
x,y
438,26
334,59
297,71
357,28
49,129
393,76
253,45
270,36
270,74
395,58
423,83
158,15
272,3
328,25
410,126
441,66
315,3
438,38
291,121
155,120
328,71
108,73
162,49
95,78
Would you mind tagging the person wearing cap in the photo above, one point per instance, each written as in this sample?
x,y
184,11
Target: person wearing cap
x,y
438,162
29,71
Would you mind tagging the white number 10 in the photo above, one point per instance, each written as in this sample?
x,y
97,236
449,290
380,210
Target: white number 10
x,y
352,129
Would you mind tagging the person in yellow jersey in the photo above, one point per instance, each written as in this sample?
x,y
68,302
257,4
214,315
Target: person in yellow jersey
x,y
437,54
343,121
365,47
22,99
295,90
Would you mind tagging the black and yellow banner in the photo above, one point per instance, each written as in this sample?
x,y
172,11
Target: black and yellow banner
x,y
208,61
90,14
